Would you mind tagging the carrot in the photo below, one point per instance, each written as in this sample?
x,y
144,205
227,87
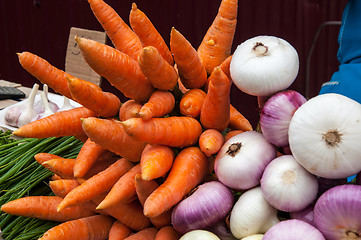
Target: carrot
x,y
97,184
62,187
156,161
43,157
44,207
167,233
87,156
99,166
121,35
211,141
191,102
225,68
171,131
160,73
119,69
129,109
143,189
217,42
111,135
123,191
59,124
189,168
159,104
237,121
62,167
148,34
119,231
45,72
91,96
54,177
144,234
231,133
130,214
191,71
94,227
215,111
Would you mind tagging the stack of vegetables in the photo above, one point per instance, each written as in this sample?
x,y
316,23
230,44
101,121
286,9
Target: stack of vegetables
x,y
177,160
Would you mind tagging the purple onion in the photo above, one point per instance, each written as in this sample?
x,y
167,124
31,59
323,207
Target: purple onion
x,y
276,115
207,205
337,212
305,215
293,229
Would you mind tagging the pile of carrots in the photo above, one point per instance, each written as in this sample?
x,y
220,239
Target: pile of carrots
x,y
143,156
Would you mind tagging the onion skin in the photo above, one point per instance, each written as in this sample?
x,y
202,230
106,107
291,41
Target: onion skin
x,y
208,204
199,235
325,135
276,115
293,229
264,65
287,186
241,161
337,212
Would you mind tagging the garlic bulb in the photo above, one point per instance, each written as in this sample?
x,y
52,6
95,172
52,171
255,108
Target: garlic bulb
x,y
264,65
325,136
22,113
47,110
39,104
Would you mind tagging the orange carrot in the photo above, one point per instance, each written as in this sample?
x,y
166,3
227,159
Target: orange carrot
x,y
148,34
44,207
217,42
119,69
231,133
60,124
225,68
94,227
171,131
167,233
161,74
123,191
119,231
191,71
211,141
87,156
99,166
156,161
189,168
121,35
130,214
237,121
46,73
191,102
43,157
129,109
62,187
159,104
97,184
144,188
215,111
62,167
91,96
144,234
111,135
54,177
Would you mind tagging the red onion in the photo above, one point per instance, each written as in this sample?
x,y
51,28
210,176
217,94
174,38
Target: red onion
x,y
293,229
276,115
305,215
241,161
208,204
337,212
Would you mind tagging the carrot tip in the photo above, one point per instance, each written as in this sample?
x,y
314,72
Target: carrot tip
x,y
134,7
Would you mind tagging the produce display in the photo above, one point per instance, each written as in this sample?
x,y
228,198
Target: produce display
x,y
177,160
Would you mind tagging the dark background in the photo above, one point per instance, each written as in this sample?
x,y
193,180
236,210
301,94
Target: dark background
x,y
42,27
